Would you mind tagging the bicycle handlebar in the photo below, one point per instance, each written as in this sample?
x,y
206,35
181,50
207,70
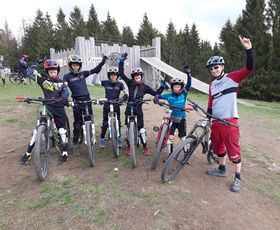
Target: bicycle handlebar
x,y
137,101
209,116
92,101
175,107
37,100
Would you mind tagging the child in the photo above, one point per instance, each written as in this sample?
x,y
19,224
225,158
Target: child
x,y
137,90
76,81
53,88
222,103
113,87
178,98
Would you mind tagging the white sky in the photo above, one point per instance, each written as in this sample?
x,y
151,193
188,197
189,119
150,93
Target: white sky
x,y
208,15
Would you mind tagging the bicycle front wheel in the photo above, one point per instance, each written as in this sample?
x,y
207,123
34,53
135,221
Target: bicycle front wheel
x,y
132,142
90,145
14,78
177,160
114,133
160,145
41,152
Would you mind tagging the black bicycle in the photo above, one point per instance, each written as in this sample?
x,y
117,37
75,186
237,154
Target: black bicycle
x,y
132,129
88,134
16,78
182,153
45,135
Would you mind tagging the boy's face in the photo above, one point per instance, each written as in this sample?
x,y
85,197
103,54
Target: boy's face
x,y
216,70
113,77
176,88
53,73
75,67
137,78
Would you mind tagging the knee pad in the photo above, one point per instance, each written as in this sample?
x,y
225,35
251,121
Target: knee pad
x,y
32,139
237,162
142,133
222,155
62,132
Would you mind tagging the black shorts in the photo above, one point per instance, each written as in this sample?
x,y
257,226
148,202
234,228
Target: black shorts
x,y
182,128
59,116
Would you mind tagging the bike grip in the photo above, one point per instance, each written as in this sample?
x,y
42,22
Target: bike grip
x,y
188,109
21,98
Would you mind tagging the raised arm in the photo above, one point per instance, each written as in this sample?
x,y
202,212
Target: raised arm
x,y
121,68
98,68
96,79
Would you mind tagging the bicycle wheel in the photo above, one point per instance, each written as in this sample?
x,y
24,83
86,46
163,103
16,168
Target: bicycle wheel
x,y
41,152
131,140
113,126
68,134
177,159
211,157
14,78
160,145
90,146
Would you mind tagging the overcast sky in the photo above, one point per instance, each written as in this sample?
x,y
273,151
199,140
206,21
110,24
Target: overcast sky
x,y
208,15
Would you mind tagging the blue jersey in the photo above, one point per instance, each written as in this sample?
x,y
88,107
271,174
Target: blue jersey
x,y
178,100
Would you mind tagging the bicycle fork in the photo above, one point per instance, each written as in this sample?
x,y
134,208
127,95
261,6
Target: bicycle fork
x,y
92,130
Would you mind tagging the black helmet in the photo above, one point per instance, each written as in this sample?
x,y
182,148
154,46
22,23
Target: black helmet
x,y
137,71
215,60
113,70
74,59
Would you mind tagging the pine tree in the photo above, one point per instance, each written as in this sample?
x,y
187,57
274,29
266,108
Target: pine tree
x,y
110,30
146,32
193,49
93,24
171,52
62,36
77,23
127,36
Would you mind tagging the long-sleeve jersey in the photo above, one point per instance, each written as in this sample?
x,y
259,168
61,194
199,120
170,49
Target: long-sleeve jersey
x,y
77,82
136,91
222,99
178,100
51,89
22,66
112,89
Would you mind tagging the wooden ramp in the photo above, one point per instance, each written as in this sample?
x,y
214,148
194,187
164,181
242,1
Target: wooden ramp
x,y
172,72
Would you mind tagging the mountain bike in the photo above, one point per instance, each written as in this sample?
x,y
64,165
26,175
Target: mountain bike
x,y
16,78
132,129
88,134
45,135
113,126
163,131
182,153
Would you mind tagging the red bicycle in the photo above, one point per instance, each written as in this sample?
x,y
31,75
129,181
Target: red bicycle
x,y
164,132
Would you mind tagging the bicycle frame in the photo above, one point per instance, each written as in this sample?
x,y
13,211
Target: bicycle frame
x,y
111,115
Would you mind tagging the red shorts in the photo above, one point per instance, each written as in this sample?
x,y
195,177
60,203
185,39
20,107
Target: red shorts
x,y
225,138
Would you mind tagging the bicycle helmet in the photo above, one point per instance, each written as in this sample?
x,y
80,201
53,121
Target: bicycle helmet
x,y
176,81
51,64
136,72
113,70
215,60
74,59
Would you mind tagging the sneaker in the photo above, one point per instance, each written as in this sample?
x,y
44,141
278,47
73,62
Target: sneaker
x,y
146,151
120,142
63,158
217,172
236,186
102,143
127,151
24,160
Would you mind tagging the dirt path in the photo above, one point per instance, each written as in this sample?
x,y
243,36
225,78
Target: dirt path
x,y
128,199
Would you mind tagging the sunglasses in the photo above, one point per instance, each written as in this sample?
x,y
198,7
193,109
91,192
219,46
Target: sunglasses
x,y
215,67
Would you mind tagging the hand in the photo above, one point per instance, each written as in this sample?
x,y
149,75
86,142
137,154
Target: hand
x,y
156,99
104,58
125,97
245,42
164,85
123,57
187,70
